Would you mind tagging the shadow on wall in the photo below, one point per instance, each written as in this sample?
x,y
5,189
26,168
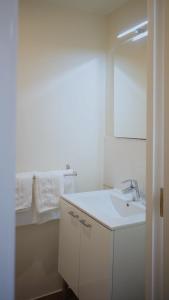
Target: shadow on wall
x,y
37,260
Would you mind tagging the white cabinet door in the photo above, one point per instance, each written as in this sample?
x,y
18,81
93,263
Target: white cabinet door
x,y
96,251
69,239
129,263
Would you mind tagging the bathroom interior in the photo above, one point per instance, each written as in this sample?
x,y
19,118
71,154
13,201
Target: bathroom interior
x,y
81,108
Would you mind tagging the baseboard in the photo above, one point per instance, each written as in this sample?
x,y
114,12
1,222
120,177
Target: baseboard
x,y
47,294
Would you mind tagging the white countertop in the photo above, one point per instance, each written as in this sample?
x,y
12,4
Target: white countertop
x,y
103,206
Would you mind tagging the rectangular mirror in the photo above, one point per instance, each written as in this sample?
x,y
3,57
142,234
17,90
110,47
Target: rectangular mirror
x,y
130,92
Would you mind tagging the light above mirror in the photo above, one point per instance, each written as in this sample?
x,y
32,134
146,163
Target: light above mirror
x,y
134,29
139,36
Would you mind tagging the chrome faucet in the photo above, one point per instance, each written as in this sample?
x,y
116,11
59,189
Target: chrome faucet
x,y
133,186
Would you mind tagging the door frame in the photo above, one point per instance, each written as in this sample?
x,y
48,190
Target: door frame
x,y
166,153
8,45
157,145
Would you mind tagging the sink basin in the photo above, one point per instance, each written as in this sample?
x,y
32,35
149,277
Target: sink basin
x,y
127,209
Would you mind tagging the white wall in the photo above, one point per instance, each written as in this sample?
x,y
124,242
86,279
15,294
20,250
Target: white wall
x,y
8,10
124,158
60,119
61,91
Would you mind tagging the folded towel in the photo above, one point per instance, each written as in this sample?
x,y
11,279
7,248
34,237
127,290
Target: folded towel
x,y
23,191
48,187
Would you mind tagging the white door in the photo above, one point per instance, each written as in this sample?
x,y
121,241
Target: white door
x,y
69,239
96,255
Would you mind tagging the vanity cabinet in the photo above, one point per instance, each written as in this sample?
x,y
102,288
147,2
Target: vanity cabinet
x,y
99,263
85,253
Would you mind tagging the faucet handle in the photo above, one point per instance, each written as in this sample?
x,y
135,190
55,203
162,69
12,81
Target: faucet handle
x,y
136,187
133,186
135,181
129,180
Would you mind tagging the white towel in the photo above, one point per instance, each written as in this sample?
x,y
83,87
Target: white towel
x,y
48,187
23,191
69,180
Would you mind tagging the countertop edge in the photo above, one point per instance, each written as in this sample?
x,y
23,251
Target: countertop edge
x,y
65,198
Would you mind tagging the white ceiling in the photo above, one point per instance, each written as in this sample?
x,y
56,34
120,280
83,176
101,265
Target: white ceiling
x,y
93,6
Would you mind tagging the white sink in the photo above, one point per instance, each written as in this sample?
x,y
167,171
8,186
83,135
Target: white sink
x,y
126,208
111,208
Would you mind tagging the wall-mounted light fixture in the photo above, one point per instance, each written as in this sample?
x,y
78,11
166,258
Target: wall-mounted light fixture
x,y
139,36
135,29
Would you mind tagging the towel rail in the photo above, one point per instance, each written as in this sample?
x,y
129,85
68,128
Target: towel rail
x,y
74,173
